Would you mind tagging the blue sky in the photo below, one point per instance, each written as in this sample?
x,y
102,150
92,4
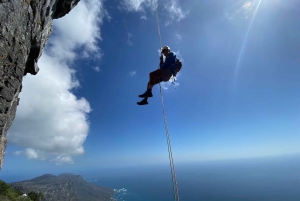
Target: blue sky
x,y
237,95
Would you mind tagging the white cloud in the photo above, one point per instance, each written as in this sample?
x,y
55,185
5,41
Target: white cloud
x,y
50,119
137,5
59,160
129,35
174,11
97,68
179,36
178,55
241,10
166,85
247,5
132,73
51,122
79,29
31,154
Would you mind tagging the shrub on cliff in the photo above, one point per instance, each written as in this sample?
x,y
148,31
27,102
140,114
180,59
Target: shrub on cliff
x,y
7,193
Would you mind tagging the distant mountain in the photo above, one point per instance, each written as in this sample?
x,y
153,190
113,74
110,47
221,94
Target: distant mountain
x,y
64,187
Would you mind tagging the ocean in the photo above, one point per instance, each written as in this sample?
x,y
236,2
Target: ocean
x,y
263,179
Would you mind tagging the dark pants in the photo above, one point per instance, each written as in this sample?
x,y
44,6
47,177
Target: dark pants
x,y
158,76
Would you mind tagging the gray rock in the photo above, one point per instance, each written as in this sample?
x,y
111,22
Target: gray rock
x,y
24,30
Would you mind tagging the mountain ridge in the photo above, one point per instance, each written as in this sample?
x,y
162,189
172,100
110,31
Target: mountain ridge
x,y
64,187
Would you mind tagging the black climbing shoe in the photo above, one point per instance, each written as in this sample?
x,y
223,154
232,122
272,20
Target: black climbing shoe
x,y
147,94
143,102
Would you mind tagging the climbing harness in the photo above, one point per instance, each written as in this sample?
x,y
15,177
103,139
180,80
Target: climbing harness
x,y
173,173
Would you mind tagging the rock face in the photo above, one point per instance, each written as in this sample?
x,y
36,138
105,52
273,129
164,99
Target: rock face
x,y
64,187
25,26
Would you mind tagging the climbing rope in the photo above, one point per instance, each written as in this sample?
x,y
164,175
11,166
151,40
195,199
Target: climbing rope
x,y
173,173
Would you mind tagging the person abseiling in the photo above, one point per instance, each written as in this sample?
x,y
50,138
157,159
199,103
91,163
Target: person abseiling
x,y
164,73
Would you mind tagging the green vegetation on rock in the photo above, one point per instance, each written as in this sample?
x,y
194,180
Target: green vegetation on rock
x,y
7,193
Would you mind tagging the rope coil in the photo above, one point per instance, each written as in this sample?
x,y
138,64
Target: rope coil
x,y
173,173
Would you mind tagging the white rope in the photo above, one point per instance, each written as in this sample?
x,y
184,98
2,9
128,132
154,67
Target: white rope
x,y
159,36
173,173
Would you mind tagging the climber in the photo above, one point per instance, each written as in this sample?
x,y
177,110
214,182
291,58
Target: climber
x,y
164,73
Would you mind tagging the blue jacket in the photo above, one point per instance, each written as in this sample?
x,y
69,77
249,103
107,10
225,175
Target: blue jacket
x,y
170,62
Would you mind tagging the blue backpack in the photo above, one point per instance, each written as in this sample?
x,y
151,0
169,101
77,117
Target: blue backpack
x,y
178,65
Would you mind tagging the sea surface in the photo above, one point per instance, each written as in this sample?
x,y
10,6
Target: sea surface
x,y
263,179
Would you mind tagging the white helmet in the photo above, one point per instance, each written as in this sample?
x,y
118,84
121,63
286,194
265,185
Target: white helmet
x,y
165,48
